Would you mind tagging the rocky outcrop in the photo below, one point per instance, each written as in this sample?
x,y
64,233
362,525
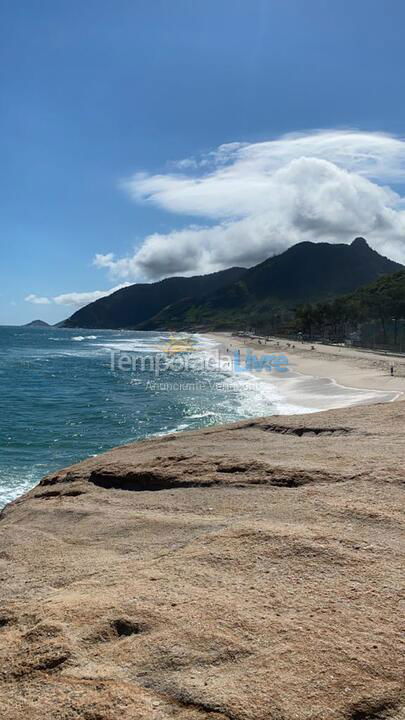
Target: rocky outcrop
x,y
37,324
247,572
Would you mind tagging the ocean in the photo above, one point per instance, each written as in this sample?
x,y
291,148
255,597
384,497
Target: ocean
x,y
69,394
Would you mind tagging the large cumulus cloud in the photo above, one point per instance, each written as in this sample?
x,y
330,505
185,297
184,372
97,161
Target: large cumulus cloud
x,y
246,202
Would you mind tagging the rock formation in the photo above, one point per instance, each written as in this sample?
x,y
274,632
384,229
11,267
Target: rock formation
x,y
246,572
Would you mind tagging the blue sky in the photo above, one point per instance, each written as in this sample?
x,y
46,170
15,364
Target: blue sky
x,y
96,92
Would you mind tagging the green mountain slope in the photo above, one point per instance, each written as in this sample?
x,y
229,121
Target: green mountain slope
x,y
130,306
307,272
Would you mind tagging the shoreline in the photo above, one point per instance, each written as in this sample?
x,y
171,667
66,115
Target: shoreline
x,y
325,377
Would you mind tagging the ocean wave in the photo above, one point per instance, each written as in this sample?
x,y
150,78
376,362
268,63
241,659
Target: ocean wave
x,y
80,338
199,416
13,485
259,397
157,344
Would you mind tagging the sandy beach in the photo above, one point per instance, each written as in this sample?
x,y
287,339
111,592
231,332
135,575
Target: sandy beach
x,y
323,377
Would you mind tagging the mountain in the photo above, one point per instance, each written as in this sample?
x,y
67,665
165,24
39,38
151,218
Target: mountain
x,y
235,298
306,272
130,306
37,324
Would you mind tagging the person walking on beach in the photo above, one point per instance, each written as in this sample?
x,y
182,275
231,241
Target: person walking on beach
x,y
392,370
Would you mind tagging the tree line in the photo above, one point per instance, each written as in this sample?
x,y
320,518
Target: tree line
x,y
382,302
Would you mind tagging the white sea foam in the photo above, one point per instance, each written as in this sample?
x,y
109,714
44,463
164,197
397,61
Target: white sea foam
x,y
133,344
148,345
258,397
12,485
198,416
80,338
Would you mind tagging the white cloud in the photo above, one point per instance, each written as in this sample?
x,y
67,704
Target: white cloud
x,y
83,298
37,300
77,299
253,200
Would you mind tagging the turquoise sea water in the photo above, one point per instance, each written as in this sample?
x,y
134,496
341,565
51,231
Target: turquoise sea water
x,y
61,401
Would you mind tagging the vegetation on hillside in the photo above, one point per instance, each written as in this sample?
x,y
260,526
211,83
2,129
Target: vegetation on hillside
x,y
267,298
132,305
378,307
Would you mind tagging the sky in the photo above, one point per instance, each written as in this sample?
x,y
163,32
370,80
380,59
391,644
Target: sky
x,y
147,138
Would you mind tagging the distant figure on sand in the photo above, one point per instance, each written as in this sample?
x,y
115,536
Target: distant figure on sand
x,y
392,370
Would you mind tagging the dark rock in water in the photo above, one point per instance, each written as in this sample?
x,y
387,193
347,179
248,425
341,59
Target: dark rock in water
x,y
37,324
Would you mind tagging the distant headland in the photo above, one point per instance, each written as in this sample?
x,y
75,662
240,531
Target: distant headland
x,y
37,324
